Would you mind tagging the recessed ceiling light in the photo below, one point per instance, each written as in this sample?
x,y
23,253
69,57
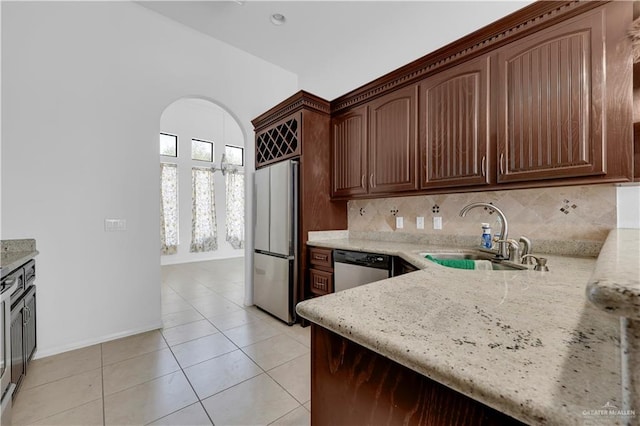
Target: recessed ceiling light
x,y
278,19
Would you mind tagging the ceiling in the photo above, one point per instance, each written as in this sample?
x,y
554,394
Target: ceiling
x,y
336,46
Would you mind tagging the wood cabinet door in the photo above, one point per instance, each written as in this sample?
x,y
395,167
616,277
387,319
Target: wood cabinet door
x,y
30,340
454,126
349,153
18,314
550,108
393,142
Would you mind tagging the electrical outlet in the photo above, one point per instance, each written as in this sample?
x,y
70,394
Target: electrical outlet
x,y
420,222
437,222
399,222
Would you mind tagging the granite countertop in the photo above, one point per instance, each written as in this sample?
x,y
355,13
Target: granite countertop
x,y
14,253
526,343
615,283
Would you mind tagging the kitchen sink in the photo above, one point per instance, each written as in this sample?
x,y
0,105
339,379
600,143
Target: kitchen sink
x,y
496,264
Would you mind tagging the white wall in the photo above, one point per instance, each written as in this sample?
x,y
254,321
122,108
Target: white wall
x,y
628,199
199,119
84,86
411,32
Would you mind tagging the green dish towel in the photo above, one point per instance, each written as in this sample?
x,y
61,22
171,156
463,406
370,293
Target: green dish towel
x,y
454,263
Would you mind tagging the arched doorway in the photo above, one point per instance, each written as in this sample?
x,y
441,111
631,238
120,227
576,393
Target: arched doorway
x,y
202,183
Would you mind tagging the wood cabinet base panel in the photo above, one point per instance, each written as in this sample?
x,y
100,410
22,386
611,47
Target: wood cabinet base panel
x,y
352,385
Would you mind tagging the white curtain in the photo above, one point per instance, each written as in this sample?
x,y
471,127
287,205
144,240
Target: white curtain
x,y
168,208
203,213
235,209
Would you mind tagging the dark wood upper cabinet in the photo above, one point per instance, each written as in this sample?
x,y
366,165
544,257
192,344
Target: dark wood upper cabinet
x,y
349,153
393,142
550,110
541,97
454,126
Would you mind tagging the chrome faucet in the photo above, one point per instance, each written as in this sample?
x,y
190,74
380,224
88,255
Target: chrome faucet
x,y
528,249
503,245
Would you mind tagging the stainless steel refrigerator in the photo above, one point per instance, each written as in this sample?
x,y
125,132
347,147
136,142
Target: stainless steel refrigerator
x,y
275,259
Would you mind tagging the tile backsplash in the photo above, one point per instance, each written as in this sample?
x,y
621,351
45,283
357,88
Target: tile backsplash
x,y
585,213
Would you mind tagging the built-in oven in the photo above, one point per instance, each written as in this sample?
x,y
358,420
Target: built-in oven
x,y
6,388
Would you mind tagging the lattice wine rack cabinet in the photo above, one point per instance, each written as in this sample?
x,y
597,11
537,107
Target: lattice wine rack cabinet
x,y
285,130
278,142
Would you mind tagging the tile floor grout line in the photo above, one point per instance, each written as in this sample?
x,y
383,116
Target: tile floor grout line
x,y
282,386
286,414
190,384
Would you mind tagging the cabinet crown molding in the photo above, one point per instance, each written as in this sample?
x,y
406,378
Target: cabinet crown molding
x,y
299,100
531,18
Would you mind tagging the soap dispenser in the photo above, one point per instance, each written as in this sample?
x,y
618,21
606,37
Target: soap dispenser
x,y
486,236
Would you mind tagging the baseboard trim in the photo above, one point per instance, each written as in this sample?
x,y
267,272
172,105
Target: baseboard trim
x,y
89,342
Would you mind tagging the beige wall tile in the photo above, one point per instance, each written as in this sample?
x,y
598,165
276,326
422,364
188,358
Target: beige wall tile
x,y
536,213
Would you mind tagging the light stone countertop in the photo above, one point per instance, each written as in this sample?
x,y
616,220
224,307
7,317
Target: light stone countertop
x,y
14,253
615,283
526,343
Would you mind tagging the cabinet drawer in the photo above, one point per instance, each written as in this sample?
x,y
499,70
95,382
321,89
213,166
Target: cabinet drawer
x,y
321,257
29,272
321,282
18,288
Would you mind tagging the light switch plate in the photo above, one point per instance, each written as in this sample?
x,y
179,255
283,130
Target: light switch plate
x,y
115,225
437,222
420,222
399,222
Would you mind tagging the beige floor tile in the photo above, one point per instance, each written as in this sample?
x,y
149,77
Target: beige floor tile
x,y
132,346
89,414
175,306
53,398
275,351
276,323
251,333
215,305
298,417
149,401
179,318
171,298
224,286
301,334
226,282
191,331
217,374
194,292
259,312
257,401
232,320
166,292
193,415
202,349
134,371
295,377
235,296
51,368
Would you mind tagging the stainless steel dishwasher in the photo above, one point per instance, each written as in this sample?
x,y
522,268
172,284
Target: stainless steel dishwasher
x,y
355,268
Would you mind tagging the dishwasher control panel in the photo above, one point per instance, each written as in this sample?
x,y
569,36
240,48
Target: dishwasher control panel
x,y
370,260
